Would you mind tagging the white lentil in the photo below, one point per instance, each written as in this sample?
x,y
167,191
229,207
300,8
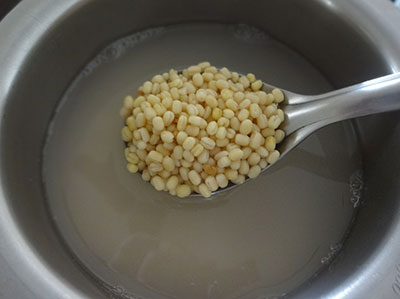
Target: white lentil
x,y
224,162
166,136
235,165
244,167
168,163
273,157
253,159
133,168
278,95
211,183
279,135
242,140
254,171
183,190
222,181
201,128
236,154
172,182
189,143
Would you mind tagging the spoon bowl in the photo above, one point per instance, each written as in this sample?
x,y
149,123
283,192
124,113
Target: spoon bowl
x,y
305,114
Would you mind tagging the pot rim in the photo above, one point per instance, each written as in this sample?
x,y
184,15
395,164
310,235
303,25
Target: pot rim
x,y
25,27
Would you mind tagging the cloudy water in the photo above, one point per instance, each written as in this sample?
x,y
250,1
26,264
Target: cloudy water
x,y
259,240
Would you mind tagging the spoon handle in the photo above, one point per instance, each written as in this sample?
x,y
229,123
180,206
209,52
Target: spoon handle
x,y
370,97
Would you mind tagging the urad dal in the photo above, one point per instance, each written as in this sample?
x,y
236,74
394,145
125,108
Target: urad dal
x,y
200,129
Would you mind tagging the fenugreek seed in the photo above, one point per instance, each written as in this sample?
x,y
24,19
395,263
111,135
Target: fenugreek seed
x,y
210,169
204,190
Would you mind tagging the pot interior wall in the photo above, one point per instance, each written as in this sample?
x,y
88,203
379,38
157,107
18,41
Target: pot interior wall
x,y
312,28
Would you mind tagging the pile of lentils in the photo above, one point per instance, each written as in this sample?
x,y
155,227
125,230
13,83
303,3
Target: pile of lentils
x,y
199,129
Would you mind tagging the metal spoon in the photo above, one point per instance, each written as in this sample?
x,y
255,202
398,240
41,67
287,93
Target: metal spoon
x,y
306,114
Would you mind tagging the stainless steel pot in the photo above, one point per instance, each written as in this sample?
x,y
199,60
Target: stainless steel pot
x,y
45,43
